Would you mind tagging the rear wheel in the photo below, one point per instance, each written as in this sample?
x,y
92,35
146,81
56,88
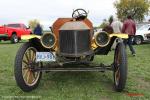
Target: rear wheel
x,y
138,40
27,79
120,67
14,38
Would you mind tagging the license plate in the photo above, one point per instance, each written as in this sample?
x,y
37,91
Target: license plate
x,y
45,56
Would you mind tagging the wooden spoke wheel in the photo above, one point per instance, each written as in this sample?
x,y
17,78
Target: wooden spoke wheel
x,y
28,63
120,67
25,63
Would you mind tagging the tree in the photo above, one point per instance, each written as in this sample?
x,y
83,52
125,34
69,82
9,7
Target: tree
x,y
33,24
136,8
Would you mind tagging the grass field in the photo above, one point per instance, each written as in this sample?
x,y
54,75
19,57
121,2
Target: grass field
x,y
78,85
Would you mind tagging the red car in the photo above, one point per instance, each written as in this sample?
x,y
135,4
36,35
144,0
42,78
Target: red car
x,y
13,32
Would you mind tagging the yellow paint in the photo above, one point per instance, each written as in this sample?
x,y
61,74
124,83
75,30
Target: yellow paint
x,y
120,35
94,46
27,37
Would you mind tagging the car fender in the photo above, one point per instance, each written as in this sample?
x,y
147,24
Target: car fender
x,y
29,37
119,35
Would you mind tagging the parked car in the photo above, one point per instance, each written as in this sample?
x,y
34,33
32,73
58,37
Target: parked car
x,y
13,32
141,34
148,36
71,42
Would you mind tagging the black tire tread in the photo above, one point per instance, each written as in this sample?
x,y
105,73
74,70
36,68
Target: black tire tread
x,y
18,69
123,67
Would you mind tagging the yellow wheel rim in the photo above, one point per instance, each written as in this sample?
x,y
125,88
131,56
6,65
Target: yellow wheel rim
x,y
30,77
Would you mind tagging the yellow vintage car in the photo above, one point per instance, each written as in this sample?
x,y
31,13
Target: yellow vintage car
x,y
71,41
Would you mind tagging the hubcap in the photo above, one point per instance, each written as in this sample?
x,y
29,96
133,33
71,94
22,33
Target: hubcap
x,y
15,39
28,63
138,41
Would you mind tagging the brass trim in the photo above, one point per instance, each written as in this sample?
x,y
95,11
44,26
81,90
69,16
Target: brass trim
x,y
98,43
46,46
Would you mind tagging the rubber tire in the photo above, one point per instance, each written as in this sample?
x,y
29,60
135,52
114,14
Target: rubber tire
x,y
138,38
122,68
18,69
13,37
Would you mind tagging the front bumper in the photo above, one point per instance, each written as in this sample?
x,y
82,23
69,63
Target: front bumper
x,y
148,36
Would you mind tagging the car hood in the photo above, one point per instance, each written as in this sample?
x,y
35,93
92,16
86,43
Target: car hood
x,y
140,32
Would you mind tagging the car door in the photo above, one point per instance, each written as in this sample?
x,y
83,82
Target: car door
x,y
25,30
2,29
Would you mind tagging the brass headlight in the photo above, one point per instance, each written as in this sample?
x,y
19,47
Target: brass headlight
x,y
48,40
102,39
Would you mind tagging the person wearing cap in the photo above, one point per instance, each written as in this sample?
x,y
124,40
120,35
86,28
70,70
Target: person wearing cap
x,y
129,27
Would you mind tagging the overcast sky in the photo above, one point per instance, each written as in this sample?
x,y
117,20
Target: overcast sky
x,y
47,11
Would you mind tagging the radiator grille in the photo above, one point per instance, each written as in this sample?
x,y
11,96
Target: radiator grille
x,y
74,41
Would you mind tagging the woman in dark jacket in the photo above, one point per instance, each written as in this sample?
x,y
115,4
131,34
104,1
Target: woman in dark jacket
x,y
38,30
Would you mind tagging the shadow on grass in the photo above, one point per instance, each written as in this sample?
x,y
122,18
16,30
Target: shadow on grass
x,y
78,79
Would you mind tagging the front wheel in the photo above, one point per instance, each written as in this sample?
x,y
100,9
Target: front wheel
x,y
26,77
120,67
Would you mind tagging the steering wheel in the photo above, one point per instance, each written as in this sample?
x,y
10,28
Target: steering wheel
x,y
79,14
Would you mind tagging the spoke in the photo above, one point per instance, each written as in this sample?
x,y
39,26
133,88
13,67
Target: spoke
x,y
34,75
118,58
117,74
25,73
30,54
25,68
28,77
26,55
117,70
31,77
25,62
33,56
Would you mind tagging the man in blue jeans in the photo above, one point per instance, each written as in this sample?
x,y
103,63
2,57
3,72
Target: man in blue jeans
x,y
129,28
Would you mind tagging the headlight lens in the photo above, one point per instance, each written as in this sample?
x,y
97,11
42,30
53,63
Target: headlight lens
x,y
48,40
102,39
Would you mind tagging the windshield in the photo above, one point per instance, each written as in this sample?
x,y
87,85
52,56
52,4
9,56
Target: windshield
x,y
144,27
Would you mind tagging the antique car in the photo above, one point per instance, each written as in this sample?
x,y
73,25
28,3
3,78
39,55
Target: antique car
x,y
71,42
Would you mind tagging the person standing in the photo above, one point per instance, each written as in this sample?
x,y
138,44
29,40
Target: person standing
x,y
129,28
117,28
107,28
38,30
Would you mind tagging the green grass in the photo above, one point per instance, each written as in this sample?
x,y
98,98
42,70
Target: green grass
x,y
79,85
